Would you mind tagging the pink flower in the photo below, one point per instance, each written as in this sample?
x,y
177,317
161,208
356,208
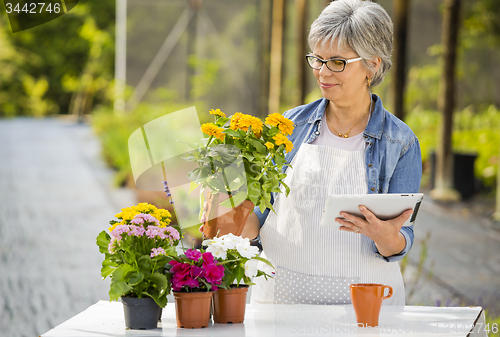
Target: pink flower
x,y
119,230
112,245
214,273
173,233
136,230
208,258
137,220
152,231
193,254
157,251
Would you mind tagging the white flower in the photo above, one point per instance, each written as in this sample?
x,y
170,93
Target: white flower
x,y
208,242
251,268
231,240
246,250
218,242
179,250
217,251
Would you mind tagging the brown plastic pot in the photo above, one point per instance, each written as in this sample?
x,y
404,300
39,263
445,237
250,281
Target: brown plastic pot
x,y
229,305
232,221
192,310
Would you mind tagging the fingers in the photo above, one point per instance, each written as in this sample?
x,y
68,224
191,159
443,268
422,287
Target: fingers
x,y
400,220
347,226
369,216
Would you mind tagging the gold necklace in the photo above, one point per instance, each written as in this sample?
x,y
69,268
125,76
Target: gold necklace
x,y
346,135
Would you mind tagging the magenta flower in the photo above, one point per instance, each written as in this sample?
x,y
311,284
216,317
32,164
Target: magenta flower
x,y
193,254
199,270
214,273
208,258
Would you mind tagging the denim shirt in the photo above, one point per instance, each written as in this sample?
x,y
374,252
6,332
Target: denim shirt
x,y
392,157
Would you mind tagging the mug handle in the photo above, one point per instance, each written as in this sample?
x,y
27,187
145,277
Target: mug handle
x,y
390,292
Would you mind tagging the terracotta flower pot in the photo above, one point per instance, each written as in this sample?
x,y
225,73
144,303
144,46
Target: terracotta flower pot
x,y
229,305
192,310
232,221
140,313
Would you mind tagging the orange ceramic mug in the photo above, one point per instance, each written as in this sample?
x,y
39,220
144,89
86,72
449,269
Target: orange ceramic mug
x,y
367,299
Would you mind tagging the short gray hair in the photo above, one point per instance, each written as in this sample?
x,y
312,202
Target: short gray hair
x,y
361,26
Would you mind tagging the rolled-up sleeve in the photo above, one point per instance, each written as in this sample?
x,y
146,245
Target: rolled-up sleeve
x,y
407,232
406,179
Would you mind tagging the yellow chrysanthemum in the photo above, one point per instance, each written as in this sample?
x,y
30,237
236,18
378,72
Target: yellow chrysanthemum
x,y
213,130
269,145
163,216
243,122
217,113
235,119
281,139
284,124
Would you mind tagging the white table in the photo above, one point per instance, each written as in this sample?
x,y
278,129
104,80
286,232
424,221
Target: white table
x,y
106,319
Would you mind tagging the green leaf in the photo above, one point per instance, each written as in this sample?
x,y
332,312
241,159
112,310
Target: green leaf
x,y
263,260
279,159
221,121
122,272
160,280
262,207
108,268
254,190
102,241
248,156
136,278
118,289
258,146
232,133
287,189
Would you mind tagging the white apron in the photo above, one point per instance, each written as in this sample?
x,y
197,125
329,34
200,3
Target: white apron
x,y
316,265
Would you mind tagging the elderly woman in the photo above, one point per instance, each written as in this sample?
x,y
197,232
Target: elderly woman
x,y
344,143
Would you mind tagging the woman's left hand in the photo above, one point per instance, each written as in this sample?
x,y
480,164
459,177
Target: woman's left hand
x,y
385,234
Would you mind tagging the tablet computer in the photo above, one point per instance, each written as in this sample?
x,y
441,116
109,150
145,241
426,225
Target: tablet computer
x,y
384,206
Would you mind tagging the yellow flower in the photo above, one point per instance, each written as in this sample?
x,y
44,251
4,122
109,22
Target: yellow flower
x,y
213,130
284,124
269,145
217,113
280,139
243,122
129,213
163,216
235,119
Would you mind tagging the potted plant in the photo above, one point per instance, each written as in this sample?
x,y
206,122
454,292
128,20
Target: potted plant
x,y
194,276
242,159
136,250
239,259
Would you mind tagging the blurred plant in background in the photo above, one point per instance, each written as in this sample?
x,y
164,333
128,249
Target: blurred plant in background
x,y
473,132
49,68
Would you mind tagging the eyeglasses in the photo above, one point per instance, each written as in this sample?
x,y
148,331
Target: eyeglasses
x,y
335,65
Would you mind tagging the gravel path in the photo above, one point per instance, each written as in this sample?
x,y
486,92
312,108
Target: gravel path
x,y
55,197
